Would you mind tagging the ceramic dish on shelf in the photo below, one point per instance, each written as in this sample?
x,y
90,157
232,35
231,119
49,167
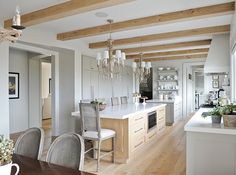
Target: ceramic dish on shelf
x,y
160,68
168,68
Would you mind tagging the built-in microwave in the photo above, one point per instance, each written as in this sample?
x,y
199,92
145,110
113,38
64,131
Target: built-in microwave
x,y
152,120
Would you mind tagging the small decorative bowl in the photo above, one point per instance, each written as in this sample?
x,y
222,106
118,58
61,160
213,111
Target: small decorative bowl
x,y
168,68
160,68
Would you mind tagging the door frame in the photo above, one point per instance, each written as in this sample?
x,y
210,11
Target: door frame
x,y
55,81
184,85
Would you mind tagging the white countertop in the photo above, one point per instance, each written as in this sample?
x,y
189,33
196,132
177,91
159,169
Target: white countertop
x,y
163,101
125,110
199,124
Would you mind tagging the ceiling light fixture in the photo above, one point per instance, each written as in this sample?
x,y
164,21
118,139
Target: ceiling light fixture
x,y
13,34
110,64
142,69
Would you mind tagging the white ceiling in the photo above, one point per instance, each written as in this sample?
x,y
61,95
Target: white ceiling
x,y
131,10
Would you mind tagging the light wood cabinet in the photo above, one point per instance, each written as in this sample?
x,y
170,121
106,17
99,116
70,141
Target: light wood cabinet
x,y
132,133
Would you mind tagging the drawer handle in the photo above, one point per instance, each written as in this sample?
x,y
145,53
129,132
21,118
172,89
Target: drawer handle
x,y
138,119
151,136
138,130
138,144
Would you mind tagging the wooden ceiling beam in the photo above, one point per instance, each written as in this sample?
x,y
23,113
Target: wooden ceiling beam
x,y
167,46
182,57
169,53
213,10
62,10
164,36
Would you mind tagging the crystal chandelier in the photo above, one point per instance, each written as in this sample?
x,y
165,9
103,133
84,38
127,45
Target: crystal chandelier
x,y
13,34
110,64
141,69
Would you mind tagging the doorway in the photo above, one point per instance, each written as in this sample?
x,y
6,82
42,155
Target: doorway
x,y
199,97
34,86
46,91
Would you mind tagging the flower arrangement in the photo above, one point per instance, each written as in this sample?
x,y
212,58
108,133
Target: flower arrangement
x,y
101,104
96,101
6,150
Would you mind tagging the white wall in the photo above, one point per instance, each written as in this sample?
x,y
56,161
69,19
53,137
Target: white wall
x,y
46,75
35,110
66,85
4,98
95,85
18,108
233,31
233,56
190,90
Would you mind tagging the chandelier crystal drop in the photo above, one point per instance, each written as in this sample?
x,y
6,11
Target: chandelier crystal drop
x,y
142,69
15,32
111,62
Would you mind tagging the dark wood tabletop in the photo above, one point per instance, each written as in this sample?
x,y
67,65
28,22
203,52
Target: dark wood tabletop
x,y
30,166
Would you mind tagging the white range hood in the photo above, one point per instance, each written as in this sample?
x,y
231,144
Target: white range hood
x,y
218,59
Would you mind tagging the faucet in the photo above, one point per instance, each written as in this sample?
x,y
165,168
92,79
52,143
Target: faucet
x,y
219,92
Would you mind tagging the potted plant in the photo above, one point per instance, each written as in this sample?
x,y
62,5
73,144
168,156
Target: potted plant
x,y
229,115
215,115
101,104
6,152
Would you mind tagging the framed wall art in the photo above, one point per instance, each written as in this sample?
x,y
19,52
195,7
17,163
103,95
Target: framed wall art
x,y
14,85
215,83
215,77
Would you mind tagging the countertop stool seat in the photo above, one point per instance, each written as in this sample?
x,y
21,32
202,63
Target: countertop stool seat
x,y
91,130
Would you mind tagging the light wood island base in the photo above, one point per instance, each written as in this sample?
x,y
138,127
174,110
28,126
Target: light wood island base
x,y
132,133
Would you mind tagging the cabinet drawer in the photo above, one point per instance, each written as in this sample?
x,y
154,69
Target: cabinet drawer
x,y
137,143
161,124
151,134
138,130
137,119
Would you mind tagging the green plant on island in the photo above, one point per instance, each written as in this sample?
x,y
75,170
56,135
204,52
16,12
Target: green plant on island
x,y
228,110
215,112
6,150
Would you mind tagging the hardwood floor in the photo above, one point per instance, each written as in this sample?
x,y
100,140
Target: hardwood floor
x,y
166,155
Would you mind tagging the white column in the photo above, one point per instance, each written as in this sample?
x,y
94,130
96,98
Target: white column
x,y
4,98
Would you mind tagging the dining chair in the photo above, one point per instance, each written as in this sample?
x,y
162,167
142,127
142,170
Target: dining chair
x,y
30,143
124,100
115,101
67,150
91,130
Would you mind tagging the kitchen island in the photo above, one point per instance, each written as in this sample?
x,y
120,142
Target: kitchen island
x,y
211,148
132,125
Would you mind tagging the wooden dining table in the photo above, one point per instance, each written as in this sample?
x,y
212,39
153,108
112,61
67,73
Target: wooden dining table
x,y
29,166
